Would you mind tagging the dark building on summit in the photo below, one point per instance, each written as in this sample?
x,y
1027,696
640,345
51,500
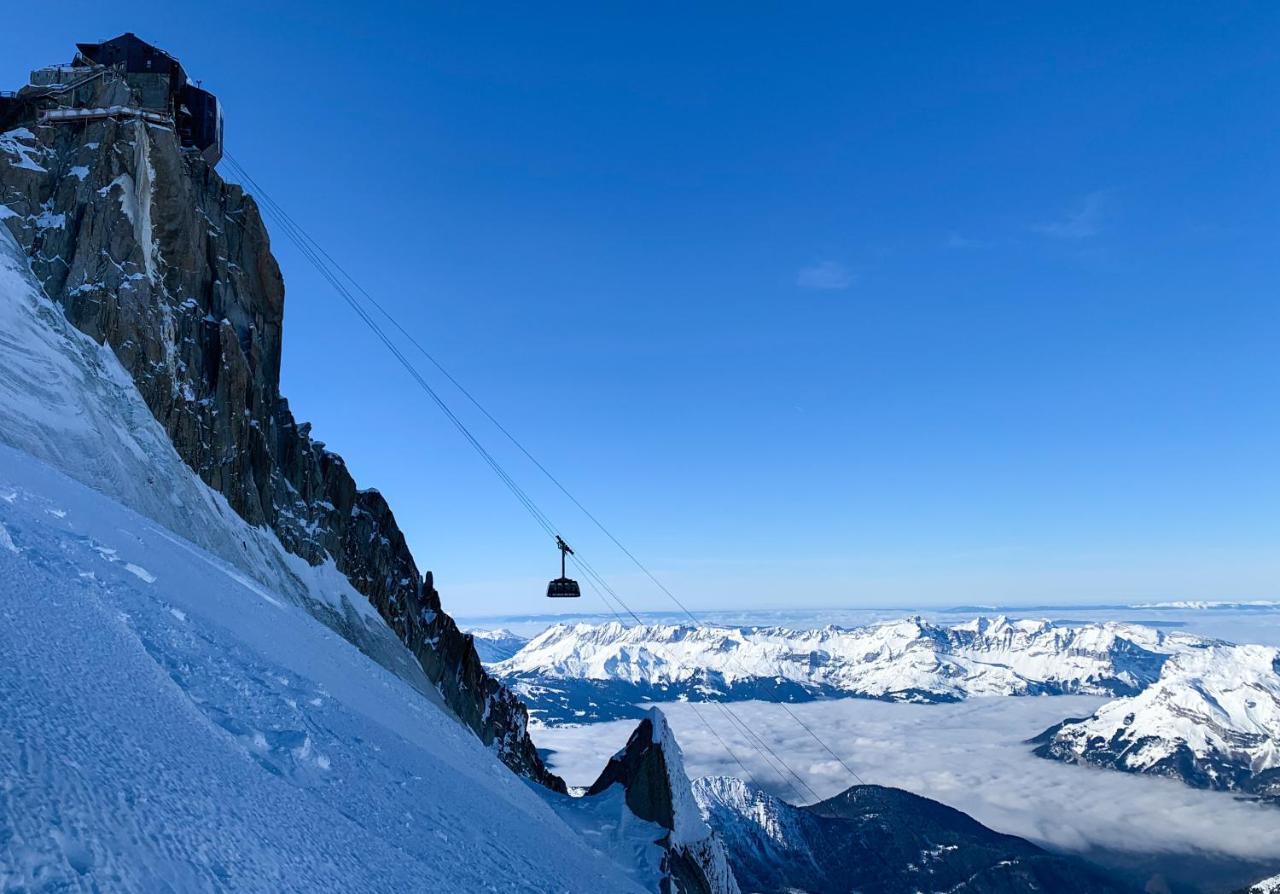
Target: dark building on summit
x,y
162,85
162,93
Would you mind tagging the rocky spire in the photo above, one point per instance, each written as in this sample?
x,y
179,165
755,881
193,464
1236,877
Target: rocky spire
x,y
651,771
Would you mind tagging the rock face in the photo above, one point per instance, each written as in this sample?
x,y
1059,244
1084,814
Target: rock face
x,y
605,669
151,253
878,841
650,769
1211,720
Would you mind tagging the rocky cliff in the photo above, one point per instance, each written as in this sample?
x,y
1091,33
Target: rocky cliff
x,y
151,253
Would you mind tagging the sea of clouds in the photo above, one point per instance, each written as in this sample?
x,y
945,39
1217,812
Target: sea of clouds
x,y
972,756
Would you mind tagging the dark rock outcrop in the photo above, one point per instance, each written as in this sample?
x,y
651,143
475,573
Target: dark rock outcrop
x,y
879,841
150,252
651,771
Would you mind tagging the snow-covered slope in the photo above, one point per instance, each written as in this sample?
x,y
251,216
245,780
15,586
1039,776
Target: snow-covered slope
x,y
1212,719
496,645
585,672
66,400
879,841
171,724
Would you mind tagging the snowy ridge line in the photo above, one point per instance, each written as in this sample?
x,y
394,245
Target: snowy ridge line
x,y
1210,604
1212,719
170,732
571,665
650,772
495,645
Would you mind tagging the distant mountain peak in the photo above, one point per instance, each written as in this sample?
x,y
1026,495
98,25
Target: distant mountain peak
x,y
1211,719
581,672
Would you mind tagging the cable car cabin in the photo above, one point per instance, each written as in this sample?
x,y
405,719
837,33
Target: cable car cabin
x,y
161,85
562,587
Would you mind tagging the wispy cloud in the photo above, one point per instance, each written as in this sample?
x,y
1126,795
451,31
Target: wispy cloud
x,y
960,241
825,276
1085,219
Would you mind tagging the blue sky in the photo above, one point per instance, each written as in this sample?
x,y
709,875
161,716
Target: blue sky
x,y
813,304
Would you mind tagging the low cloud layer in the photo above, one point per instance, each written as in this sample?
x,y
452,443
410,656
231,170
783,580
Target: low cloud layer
x,y
968,755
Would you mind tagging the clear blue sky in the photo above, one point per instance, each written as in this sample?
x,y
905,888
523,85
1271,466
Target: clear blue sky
x,y
813,304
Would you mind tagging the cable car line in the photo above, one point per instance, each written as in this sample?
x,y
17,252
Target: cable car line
x,y
317,256
305,244
318,249
756,742
295,235
725,745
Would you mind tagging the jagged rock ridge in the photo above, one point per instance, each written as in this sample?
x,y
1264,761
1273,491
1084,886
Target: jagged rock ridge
x,y
149,251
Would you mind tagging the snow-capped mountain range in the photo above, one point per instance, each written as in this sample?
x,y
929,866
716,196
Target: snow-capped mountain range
x,y
587,672
1212,719
496,645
